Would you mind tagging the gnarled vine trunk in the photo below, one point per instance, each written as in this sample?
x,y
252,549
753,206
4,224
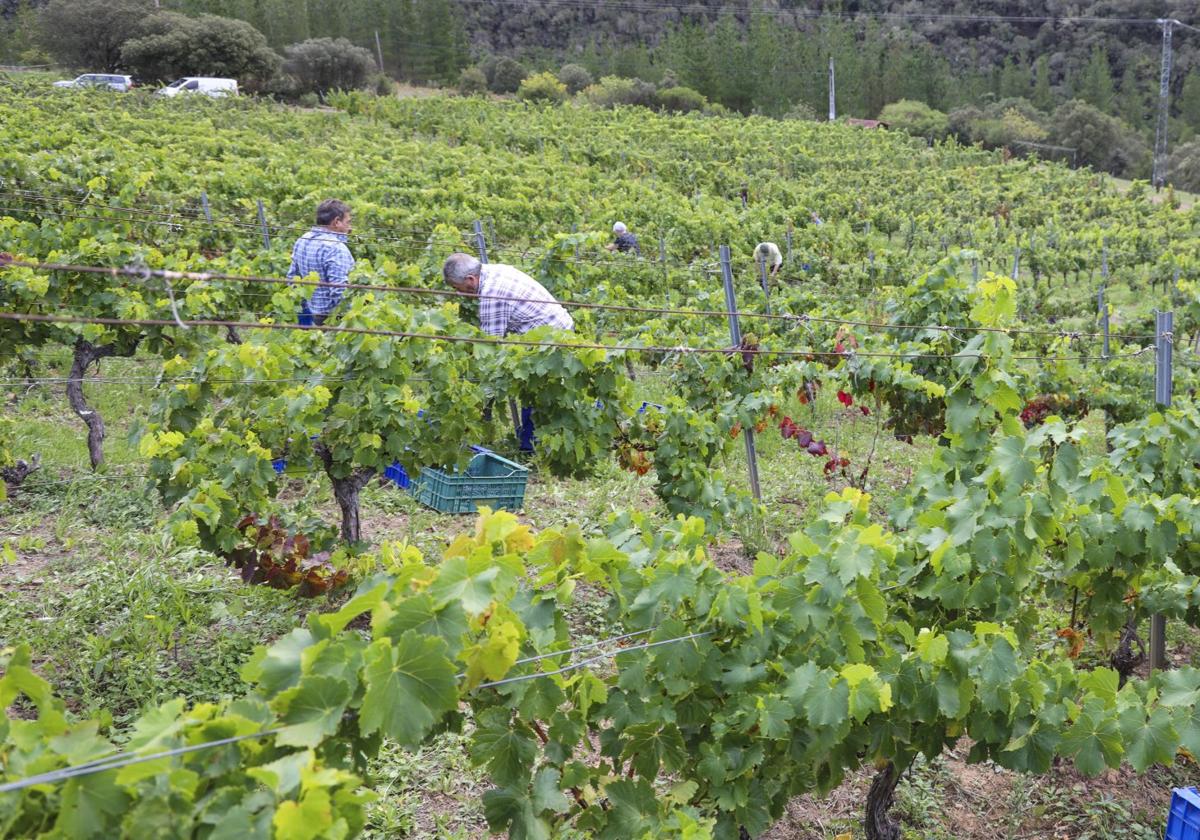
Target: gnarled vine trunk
x,y
879,823
1123,659
346,491
87,354
18,472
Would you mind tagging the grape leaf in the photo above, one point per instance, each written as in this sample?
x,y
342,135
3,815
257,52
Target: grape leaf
x,y
409,687
312,711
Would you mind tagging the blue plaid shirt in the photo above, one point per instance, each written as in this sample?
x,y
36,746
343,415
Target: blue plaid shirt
x,y
323,253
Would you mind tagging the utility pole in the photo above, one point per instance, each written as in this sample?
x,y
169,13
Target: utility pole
x,y
832,93
1159,176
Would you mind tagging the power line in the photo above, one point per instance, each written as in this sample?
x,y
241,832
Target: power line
x,y
784,14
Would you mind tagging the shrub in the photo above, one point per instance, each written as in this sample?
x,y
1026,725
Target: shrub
x,y
488,67
800,111
508,76
542,87
681,99
1184,169
916,118
170,45
1100,141
472,81
575,77
383,84
612,91
308,100
324,64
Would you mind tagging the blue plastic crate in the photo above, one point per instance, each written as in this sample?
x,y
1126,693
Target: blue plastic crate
x,y
398,475
1183,820
489,480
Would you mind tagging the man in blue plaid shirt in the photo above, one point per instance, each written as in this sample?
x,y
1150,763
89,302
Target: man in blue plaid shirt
x,y
322,252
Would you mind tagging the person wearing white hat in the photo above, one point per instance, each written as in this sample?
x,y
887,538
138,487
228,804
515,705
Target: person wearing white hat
x,y
623,240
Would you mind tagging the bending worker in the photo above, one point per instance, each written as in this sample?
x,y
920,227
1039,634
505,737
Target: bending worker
x,y
510,301
623,240
322,252
768,252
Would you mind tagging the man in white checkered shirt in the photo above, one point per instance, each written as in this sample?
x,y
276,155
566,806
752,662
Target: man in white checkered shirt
x,y
510,301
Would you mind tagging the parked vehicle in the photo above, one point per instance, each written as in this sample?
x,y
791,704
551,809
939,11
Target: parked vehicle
x,y
201,84
113,81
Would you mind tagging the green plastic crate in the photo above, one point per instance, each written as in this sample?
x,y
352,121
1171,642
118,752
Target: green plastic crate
x,y
490,481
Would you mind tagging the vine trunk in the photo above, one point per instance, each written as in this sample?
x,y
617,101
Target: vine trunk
x,y
879,823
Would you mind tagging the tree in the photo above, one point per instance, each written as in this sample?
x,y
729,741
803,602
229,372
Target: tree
x,y
1014,80
320,65
575,77
542,87
1096,87
89,34
170,45
1103,142
19,41
1189,100
1043,95
508,76
916,118
1131,101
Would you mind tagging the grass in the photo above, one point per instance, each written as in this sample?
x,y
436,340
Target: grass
x,y
1187,200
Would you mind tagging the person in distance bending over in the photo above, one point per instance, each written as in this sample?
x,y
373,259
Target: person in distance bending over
x,y
769,252
322,252
510,301
623,240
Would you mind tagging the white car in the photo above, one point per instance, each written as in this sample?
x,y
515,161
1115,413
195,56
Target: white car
x,y
114,81
201,84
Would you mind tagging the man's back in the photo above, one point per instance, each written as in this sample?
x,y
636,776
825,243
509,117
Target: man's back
x,y
323,253
513,302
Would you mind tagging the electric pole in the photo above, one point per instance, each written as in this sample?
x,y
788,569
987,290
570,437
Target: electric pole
x,y
832,93
1159,176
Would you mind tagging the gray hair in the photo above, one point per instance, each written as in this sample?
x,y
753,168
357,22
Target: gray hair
x,y
458,267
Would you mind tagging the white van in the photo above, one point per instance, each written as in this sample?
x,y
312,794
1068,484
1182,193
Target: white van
x,y
201,84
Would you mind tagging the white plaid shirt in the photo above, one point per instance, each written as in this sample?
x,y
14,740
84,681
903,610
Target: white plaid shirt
x,y
533,307
323,253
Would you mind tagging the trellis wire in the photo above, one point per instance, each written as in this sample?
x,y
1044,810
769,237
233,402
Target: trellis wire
x,y
208,277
